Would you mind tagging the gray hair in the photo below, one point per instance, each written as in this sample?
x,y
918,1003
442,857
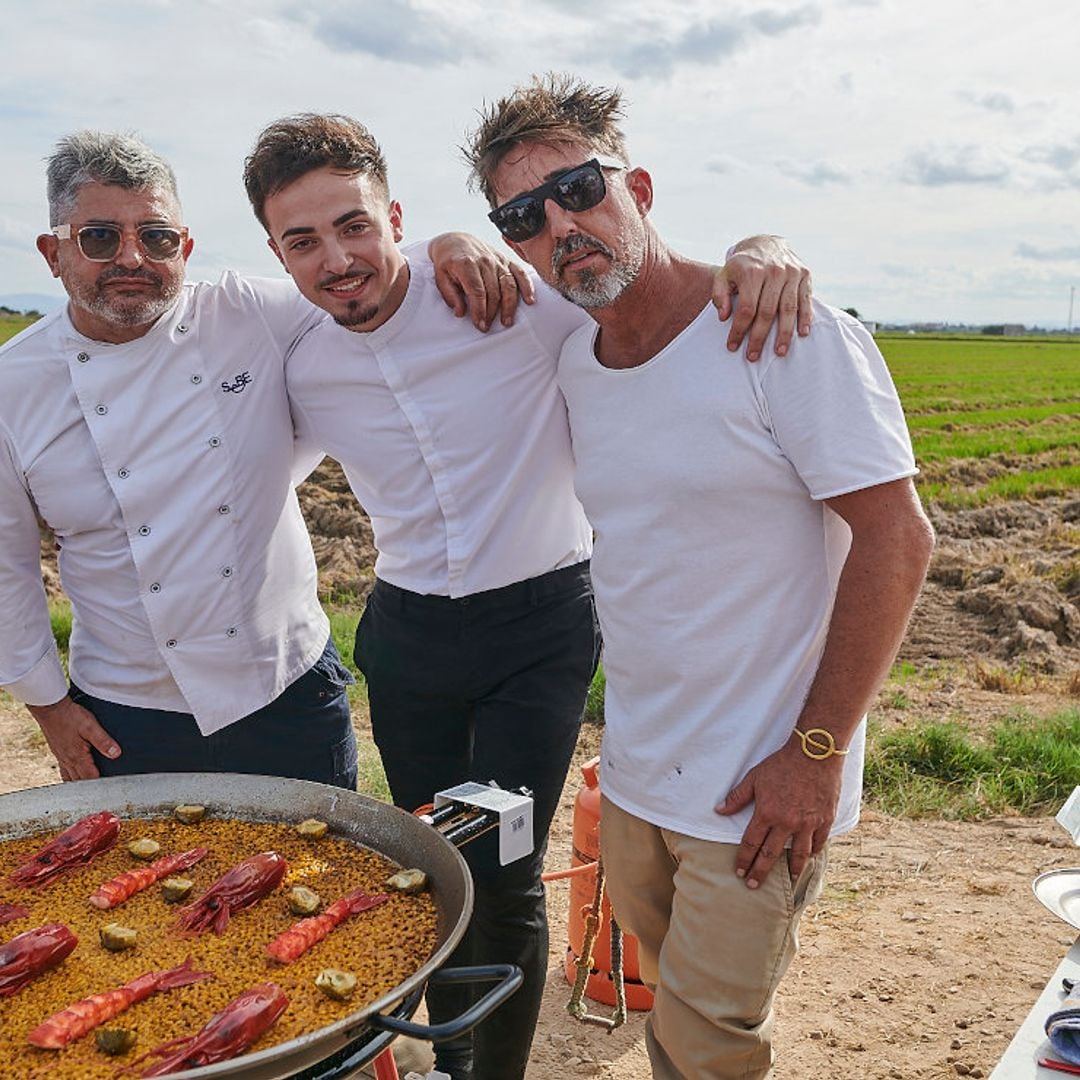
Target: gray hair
x,y
103,157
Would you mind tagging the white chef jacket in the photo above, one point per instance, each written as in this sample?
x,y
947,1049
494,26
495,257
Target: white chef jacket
x,y
165,467
455,442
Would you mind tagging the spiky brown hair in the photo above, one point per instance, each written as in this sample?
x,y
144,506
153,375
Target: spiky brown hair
x,y
548,109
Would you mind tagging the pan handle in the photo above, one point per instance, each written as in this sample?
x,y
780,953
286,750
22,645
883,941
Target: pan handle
x,y
510,979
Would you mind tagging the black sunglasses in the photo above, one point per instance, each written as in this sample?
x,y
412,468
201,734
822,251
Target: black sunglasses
x,y
577,189
101,243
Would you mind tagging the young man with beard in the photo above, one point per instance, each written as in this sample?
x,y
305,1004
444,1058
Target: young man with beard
x,y
786,546
147,425
479,639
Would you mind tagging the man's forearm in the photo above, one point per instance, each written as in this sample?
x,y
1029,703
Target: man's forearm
x,y
874,600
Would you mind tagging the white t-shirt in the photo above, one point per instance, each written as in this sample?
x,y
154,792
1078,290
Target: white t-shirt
x,y
165,466
455,442
716,562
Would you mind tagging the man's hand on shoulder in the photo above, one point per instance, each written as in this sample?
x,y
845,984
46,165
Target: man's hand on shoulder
x,y
794,799
70,730
474,278
765,282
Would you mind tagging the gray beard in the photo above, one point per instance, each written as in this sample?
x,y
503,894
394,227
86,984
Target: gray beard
x,y
596,290
142,313
126,313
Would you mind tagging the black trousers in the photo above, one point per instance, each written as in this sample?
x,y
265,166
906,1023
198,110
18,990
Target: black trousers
x,y
304,733
487,687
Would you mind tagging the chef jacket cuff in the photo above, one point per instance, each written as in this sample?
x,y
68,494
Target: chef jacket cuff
x,y
44,684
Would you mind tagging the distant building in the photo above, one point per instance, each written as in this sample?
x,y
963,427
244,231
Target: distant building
x,y
870,324
1013,330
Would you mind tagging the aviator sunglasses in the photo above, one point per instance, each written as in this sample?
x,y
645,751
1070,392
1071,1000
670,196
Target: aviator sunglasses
x,y
577,189
101,243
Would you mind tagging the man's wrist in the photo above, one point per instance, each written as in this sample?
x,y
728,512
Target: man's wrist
x,y
819,743
45,710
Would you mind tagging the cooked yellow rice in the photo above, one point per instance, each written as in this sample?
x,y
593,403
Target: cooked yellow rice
x,y
382,947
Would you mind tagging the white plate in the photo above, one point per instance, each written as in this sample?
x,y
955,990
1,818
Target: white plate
x,y
1059,892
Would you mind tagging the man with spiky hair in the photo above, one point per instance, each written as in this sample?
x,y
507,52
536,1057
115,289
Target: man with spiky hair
x,y
479,640
786,548
147,425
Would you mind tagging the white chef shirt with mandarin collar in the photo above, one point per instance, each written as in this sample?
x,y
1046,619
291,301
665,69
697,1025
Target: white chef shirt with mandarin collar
x,y
455,442
165,467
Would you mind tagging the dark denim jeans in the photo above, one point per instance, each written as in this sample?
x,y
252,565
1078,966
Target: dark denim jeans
x,y
486,687
304,733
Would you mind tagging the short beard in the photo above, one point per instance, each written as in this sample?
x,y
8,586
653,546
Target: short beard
x,y
592,289
131,313
357,315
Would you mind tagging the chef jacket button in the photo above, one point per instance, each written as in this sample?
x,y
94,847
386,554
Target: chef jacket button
x,y
214,441
231,632
196,378
171,643
144,530
224,508
83,357
182,328
155,587
101,410
123,473
226,571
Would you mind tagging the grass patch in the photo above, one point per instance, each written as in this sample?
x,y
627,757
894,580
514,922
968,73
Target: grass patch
x,y
1023,766
60,618
10,325
594,700
343,620
371,780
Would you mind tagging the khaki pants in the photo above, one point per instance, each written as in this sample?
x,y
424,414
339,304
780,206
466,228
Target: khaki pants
x,y
713,950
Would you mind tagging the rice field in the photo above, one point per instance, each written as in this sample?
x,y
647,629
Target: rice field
x,y
990,418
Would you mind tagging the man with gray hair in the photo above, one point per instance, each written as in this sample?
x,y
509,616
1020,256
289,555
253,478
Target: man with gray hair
x,y
786,546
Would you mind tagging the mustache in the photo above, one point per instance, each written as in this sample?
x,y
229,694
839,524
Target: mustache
x,y
141,274
337,279
571,245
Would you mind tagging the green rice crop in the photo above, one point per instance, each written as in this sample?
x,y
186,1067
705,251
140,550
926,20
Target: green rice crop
x,y
1015,401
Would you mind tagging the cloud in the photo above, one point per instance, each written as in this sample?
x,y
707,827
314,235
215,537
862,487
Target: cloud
x,y
1059,254
394,30
953,165
813,173
995,101
901,270
722,164
1060,156
17,234
652,54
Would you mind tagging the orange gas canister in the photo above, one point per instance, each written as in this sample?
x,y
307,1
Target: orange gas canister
x,y
599,986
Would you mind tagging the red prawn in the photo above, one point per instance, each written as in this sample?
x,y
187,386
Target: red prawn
x,y
74,847
300,937
76,1020
11,912
225,1035
32,952
124,886
235,890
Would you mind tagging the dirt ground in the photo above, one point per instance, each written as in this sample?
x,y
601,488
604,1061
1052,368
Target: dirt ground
x,y
928,948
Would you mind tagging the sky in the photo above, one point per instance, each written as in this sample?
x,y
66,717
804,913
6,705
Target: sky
x,y
922,157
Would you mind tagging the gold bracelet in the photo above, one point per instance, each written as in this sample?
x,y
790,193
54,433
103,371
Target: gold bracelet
x,y
819,744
